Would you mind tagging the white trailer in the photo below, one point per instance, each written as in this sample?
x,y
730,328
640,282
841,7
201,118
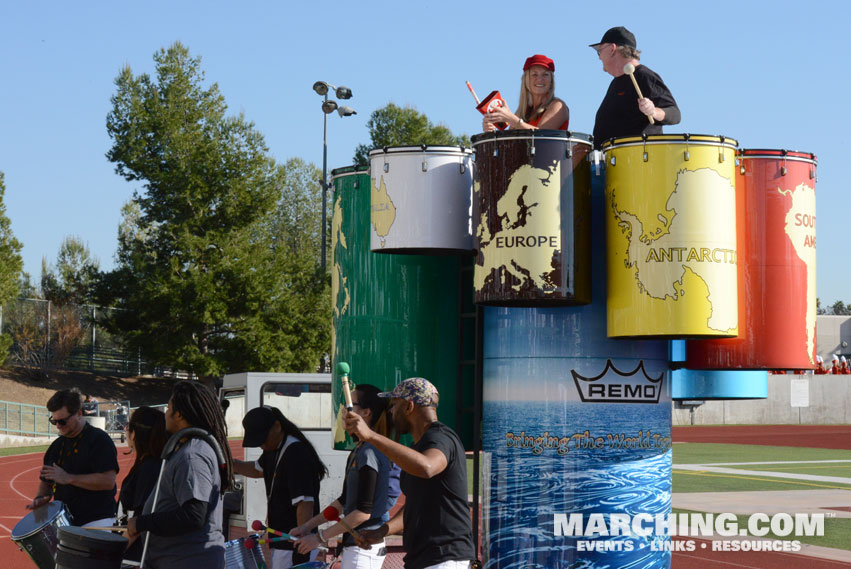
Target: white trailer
x,y
304,399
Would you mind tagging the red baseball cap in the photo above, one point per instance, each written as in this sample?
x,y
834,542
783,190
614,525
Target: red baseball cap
x,y
541,60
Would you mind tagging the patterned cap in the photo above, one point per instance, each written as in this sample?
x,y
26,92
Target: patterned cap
x,y
418,390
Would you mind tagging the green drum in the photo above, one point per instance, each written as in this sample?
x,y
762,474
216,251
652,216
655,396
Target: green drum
x,y
395,316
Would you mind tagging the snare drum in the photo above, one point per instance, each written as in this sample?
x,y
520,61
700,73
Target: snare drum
x,y
37,533
89,549
671,236
421,199
238,556
532,218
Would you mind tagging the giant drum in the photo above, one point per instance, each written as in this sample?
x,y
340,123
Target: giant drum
x,y
420,199
777,267
671,236
532,218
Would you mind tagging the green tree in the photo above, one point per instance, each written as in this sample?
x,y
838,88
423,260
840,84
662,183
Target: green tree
x,y
73,278
11,264
400,126
199,276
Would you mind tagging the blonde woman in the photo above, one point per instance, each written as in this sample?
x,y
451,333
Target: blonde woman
x,y
538,107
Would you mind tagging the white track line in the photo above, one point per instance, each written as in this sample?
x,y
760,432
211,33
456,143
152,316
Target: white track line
x,y
766,473
18,475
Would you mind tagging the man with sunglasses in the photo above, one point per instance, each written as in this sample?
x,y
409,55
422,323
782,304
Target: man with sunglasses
x,y
80,466
622,112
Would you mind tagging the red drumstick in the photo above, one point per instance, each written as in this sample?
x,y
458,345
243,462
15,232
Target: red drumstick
x,y
476,97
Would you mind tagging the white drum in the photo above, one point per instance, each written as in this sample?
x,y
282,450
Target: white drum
x,y
421,200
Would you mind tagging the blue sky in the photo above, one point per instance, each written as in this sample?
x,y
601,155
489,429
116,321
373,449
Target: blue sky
x,y
770,74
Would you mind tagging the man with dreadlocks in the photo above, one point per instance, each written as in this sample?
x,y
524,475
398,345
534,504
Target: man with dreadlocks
x,y
186,524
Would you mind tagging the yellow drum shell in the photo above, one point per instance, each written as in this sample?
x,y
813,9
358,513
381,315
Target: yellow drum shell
x,y
671,236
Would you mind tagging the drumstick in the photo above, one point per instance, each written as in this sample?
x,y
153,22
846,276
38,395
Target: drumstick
x,y
343,372
332,515
257,525
629,69
476,97
106,528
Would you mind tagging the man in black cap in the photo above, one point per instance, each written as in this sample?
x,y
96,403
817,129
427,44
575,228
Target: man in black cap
x,y
435,520
291,469
622,112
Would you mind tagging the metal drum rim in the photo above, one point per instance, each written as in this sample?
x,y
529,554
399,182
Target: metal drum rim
x,y
718,140
545,134
791,155
421,149
50,521
348,171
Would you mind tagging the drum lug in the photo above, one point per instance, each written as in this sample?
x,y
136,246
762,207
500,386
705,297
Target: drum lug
x,y
462,167
686,153
495,151
425,166
783,167
645,156
613,160
386,167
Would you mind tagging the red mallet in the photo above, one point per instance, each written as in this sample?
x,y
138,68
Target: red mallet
x,y
257,525
332,515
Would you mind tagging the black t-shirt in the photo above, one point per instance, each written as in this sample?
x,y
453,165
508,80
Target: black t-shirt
x,y
437,515
135,489
618,114
90,452
291,480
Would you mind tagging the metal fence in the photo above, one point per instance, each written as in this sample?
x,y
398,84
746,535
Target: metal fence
x,y
69,336
24,419
32,420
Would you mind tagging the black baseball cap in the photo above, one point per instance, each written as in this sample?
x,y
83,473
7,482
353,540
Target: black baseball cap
x,y
256,424
618,36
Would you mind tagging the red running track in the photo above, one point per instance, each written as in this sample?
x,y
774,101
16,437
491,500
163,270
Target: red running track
x,y
810,436
19,483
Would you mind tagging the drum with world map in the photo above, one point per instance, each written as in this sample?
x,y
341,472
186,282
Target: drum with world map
x,y
394,316
532,220
420,199
671,236
777,267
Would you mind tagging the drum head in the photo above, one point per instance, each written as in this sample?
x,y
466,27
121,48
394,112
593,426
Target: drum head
x,y
80,539
33,522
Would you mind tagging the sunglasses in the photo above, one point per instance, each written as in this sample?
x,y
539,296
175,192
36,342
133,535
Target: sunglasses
x,y
60,422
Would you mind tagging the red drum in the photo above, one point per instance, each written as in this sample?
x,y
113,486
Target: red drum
x,y
776,235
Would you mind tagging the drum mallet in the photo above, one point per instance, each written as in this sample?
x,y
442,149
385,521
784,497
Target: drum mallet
x,y
343,372
257,525
470,87
332,515
629,69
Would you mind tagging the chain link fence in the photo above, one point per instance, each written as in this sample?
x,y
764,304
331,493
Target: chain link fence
x,y
70,336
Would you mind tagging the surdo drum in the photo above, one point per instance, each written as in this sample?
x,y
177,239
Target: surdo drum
x,y
671,236
420,199
776,235
37,534
532,218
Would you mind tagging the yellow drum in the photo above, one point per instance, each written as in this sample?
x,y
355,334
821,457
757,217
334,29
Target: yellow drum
x,y
671,236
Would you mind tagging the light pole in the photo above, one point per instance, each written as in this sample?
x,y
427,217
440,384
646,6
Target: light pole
x,y
328,107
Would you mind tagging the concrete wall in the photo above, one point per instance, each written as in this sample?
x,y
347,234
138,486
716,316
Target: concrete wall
x,y
833,336
829,404
8,441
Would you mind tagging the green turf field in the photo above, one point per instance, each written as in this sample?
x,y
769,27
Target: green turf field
x,y
709,453
837,532
21,450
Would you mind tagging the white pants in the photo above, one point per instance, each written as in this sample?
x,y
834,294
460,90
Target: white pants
x,y
356,558
283,558
451,565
